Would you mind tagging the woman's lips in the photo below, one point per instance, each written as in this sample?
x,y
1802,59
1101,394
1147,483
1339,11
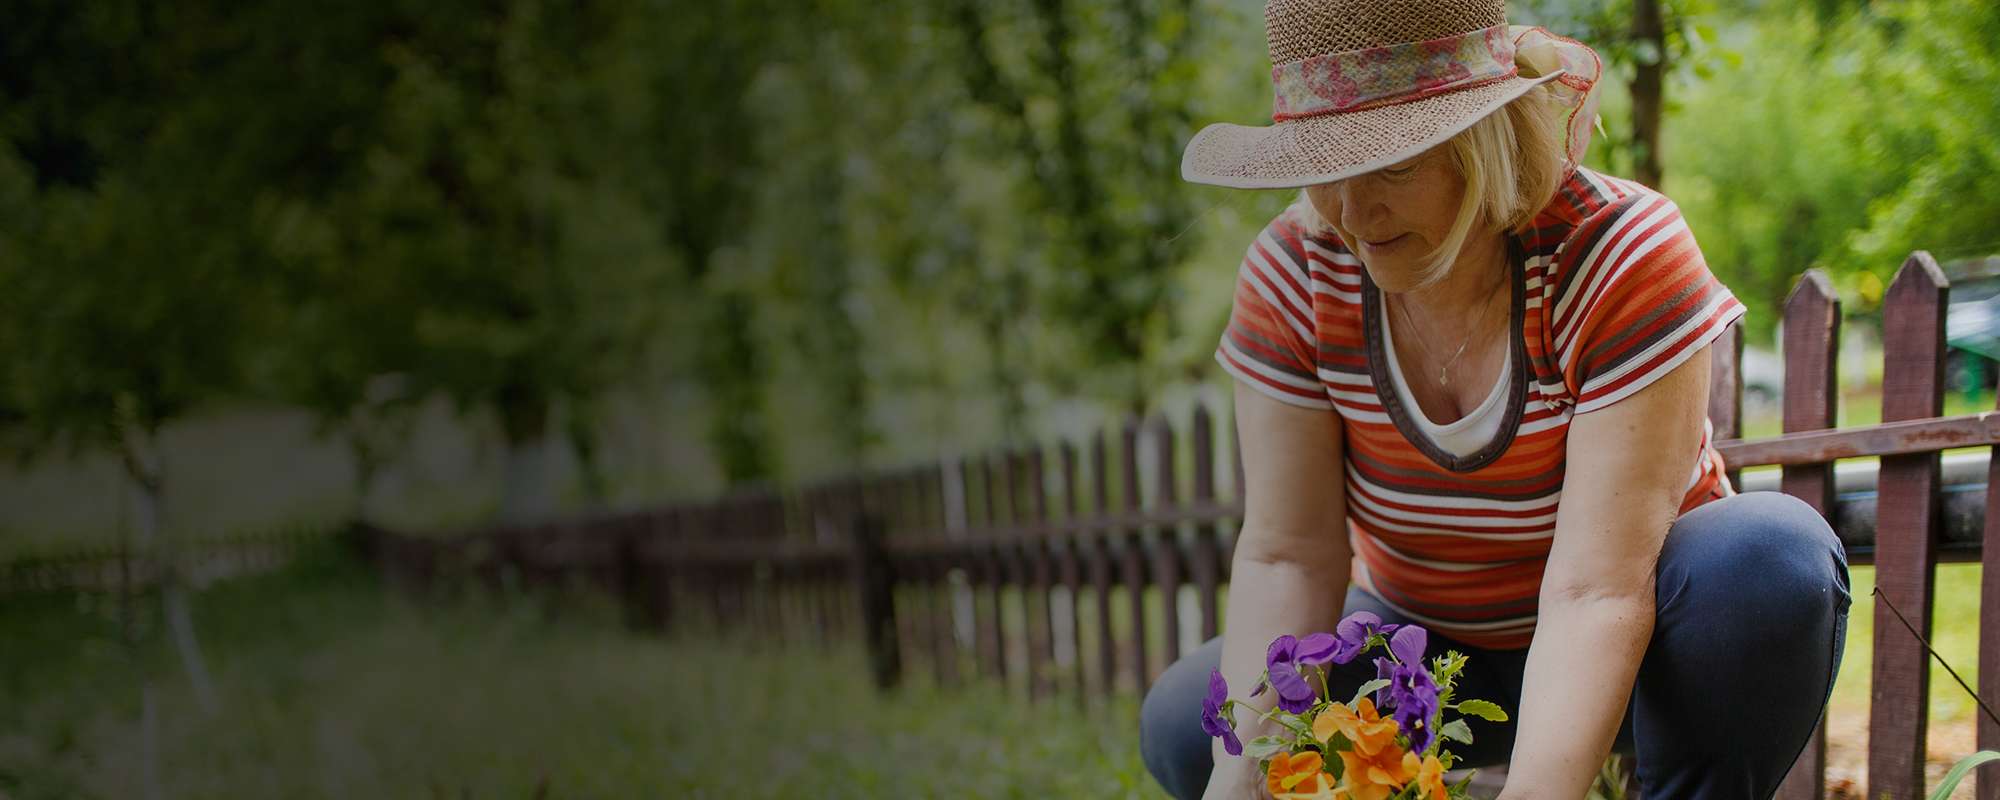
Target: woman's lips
x,y
1385,242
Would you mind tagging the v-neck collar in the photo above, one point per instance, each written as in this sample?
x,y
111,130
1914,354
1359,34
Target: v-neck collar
x,y
1385,388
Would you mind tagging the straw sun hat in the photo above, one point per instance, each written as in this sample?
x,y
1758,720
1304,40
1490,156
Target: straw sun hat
x,y
1363,84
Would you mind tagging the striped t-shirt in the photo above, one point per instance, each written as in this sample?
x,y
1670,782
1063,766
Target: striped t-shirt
x,y
1609,294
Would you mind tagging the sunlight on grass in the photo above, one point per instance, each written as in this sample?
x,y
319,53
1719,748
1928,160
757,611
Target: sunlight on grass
x,y
332,687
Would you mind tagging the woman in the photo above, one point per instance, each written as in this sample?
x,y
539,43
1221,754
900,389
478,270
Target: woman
x,y
1471,392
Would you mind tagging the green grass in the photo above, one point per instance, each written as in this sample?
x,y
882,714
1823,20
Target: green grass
x,y
1954,632
333,687
1863,406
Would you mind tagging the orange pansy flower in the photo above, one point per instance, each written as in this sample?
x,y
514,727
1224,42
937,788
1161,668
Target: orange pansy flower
x,y
1430,777
1299,776
1375,777
1362,725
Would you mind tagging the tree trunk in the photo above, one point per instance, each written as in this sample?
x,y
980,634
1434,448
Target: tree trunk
x,y
1648,91
731,368
580,430
525,490
146,467
367,466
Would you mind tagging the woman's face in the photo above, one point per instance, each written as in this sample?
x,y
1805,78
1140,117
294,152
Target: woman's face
x,y
1394,218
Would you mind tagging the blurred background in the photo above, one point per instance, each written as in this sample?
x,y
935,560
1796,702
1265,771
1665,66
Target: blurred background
x,y
271,269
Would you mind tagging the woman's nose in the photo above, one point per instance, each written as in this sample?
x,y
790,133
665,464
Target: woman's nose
x,y
1355,208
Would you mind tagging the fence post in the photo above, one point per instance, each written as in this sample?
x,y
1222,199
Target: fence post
x,y
1725,390
1134,562
1202,561
943,622
1988,785
874,584
992,633
1035,541
1070,571
1906,531
1812,342
1167,544
1100,566
1010,543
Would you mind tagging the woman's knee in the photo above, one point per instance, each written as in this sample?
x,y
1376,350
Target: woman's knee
x,y
1171,741
1763,553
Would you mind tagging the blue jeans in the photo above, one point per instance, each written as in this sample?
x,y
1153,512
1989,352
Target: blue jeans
x,y
1750,618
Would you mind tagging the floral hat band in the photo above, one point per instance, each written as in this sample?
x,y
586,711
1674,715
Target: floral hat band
x,y
1397,73
1359,85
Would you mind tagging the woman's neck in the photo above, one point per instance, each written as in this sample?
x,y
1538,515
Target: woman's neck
x,y
1473,284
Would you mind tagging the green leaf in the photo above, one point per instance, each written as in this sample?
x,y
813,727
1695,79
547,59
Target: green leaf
x,y
1457,731
1264,747
1958,771
1294,723
1367,689
1482,709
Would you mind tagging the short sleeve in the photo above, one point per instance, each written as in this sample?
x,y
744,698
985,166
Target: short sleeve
x,y
1636,301
1270,343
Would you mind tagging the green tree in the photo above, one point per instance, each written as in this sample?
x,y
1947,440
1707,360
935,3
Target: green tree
x,y
503,200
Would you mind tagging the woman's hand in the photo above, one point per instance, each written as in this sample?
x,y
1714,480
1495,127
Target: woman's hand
x,y
1235,778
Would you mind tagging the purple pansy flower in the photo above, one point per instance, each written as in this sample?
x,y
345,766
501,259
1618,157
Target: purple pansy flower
x,y
1213,722
1411,692
1351,636
1316,650
1295,695
1408,645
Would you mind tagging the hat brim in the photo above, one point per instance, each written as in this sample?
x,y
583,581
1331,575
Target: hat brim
x,y
1330,147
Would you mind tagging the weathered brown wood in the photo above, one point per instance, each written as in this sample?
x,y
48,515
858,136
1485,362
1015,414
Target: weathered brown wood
x,y
1100,568
1069,569
993,635
1917,436
1166,544
983,569
944,644
1007,543
911,484
989,509
1133,557
1725,390
1906,534
1041,573
874,585
995,569
1202,557
1987,785
1812,341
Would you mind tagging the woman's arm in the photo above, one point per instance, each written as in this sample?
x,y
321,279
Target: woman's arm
x,y
1627,468
1290,570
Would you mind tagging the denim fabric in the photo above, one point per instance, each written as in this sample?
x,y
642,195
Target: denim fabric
x,y
1751,614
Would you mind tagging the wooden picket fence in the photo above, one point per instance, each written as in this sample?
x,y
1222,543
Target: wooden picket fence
x,y
1084,568
107,569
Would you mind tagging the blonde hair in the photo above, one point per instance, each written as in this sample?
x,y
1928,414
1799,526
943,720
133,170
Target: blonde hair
x,y
1512,162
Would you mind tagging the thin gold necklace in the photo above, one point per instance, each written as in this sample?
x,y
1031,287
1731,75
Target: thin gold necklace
x,y
1444,377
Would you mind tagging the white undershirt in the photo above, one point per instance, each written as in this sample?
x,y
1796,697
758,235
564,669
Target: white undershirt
x,y
1467,434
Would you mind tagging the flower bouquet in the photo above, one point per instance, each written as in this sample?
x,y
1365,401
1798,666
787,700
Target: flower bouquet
x,y
1333,750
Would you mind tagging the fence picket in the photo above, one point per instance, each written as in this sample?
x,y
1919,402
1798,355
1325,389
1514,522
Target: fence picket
x,y
1166,542
1812,340
1725,390
1987,786
1069,570
1098,540
1035,542
1133,561
1202,558
1906,531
